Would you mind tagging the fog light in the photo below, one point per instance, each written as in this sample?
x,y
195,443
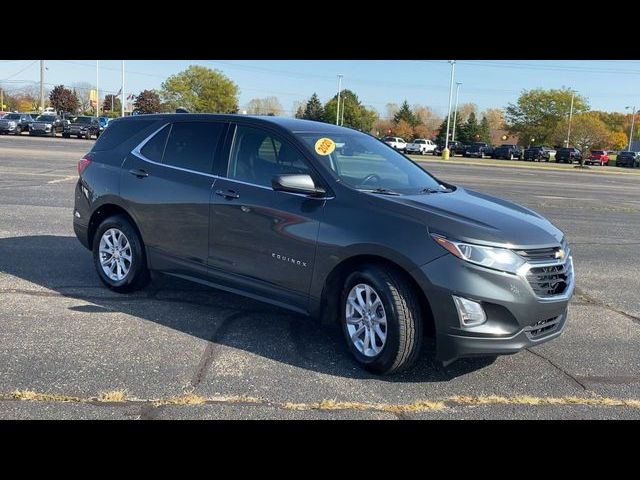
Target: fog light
x,y
470,313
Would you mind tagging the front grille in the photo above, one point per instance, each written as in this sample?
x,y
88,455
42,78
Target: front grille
x,y
543,327
539,254
550,280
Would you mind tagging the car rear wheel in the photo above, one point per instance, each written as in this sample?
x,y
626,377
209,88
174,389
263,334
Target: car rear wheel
x,y
381,319
119,256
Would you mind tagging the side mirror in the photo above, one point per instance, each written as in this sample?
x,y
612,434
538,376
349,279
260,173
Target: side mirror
x,y
297,183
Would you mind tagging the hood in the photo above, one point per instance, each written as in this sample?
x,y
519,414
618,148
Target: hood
x,y
477,218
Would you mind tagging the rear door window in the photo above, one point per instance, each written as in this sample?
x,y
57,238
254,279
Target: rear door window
x,y
154,148
191,145
119,132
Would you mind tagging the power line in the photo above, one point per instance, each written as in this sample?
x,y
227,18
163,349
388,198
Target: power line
x,y
19,71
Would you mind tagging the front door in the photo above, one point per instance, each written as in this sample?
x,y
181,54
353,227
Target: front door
x,y
266,237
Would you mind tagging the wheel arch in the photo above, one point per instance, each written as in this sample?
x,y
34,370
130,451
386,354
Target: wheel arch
x,y
104,211
329,307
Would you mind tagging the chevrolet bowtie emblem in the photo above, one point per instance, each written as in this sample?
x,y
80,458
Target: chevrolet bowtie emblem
x,y
559,253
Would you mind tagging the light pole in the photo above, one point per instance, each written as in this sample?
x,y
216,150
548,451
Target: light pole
x,y
122,106
445,152
455,112
570,117
97,88
41,86
633,118
338,105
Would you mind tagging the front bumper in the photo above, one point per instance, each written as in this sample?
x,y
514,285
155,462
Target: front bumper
x,y
516,317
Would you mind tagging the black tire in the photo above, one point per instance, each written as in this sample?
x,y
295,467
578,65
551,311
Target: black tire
x,y
404,322
138,275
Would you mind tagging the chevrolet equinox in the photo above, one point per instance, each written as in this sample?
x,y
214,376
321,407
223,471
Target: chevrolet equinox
x,y
325,221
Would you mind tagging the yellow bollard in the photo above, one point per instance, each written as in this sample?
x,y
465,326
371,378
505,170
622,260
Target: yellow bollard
x,y
445,154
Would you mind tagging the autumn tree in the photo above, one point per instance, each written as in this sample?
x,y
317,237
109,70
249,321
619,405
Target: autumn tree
x,y
63,99
264,106
382,127
403,130
618,141
587,132
111,103
465,110
200,90
537,113
313,110
495,119
427,117
147,101
422,131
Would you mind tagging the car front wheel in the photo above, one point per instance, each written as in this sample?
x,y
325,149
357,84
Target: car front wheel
x,y
119,255
381,319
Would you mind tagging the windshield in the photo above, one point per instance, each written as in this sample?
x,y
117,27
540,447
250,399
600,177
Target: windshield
x,y
46,118
422,142
364,163
84,119
13,116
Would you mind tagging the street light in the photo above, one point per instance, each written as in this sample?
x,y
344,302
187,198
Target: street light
x,y
633,118
338,105
445,152
455,112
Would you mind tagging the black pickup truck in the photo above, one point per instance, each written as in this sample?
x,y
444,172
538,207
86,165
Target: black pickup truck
x,y
568,155
455,148
478,150
82,127
537,154
508,152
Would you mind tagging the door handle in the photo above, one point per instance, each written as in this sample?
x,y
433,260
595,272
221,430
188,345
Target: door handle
x,y
139,173
228,194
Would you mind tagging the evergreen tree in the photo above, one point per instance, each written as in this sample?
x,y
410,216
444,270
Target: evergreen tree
x,y
314,109
470,131
405,113
443,130
485,130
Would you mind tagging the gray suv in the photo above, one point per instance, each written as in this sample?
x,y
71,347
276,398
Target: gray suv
x,y
327,222
15,123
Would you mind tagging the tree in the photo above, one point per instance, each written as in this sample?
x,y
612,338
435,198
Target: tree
x,y
403,130
538,112
264,106
465,110
313,110
427,117
470,131
495,119
618,141
443,130
298,108
382,127
422,131
485,130
587,132
355,115
83,92
405,113
63,99
200,90
147,101
391,109
108,106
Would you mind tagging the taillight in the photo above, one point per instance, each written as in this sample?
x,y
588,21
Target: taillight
x,y
84,163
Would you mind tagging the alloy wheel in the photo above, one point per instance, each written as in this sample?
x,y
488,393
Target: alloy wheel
x,y
366,320
115,254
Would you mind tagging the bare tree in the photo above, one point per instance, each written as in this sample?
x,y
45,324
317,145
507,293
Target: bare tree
x,y
465,109
391,109
264,106
427,117
83,92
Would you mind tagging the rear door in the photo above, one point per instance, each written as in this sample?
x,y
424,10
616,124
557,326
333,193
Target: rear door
x,y
265,239
167,182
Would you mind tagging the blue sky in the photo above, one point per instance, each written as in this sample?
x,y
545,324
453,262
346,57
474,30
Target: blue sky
x,y
609,85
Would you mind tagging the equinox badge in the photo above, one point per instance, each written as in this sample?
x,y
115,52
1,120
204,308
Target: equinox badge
x,y
284,258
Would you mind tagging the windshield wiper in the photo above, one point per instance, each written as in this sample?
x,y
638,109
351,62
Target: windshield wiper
x,y
383,191
435,190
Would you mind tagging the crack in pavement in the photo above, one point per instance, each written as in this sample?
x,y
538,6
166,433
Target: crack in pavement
x,y
594,301
559,368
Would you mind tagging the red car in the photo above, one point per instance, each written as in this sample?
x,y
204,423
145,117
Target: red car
x,y
598,157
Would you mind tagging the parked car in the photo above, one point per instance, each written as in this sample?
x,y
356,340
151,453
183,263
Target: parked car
x,y
47,124
597,157
628,159
537,154
104,121
15,123
455,148
508,152
292,220
478,150
82,127
395,142
568,155
420,146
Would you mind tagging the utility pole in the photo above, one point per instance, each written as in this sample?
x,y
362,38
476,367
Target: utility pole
x,y
570,117
338,106
633,118
42,86
122,109
1,99
455,112
446,139
97,89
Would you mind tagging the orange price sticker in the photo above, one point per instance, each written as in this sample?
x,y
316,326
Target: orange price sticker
x,y
325,146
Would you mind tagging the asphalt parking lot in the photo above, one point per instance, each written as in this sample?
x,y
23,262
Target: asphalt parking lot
x,y
70,348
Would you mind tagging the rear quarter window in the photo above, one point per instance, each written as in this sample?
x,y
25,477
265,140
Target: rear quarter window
x,y
120,132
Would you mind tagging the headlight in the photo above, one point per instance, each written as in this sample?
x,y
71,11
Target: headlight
x,y
12,124
490,257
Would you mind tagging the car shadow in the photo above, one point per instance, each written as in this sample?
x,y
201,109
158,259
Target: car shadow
x,y
62,265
